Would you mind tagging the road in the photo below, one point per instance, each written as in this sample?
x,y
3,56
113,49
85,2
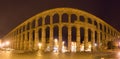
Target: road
x,y
39,55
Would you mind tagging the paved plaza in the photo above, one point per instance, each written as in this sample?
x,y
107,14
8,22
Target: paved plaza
x,y
48,55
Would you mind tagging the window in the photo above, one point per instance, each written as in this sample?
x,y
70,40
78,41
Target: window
x,y
55,18
100,26
33,24
105,28
95,23
65,18
47,20
40,21
28,26
73,18
89,21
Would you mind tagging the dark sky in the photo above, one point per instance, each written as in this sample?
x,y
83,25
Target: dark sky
x,y
14,12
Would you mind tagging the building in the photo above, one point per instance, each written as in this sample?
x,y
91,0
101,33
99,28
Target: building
x,y
72,29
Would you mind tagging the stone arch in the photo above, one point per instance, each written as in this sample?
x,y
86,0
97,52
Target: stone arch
x,y
33,35
100,26
89,20
56,18
55,32
28,26
65,35
65,17
105,28
33,38
89,35
47,20
96,24
96,36
24,28
82,34
40,21
82,18
20,30
73,18
47,34
17,32
33,24
73,32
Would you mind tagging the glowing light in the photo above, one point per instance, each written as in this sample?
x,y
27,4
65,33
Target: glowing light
x,y
89,47
7,43
40,45
73,46
82,47
55,49
64,49
55,40
55,45
95,44
3,44
48,48
102,58
118,54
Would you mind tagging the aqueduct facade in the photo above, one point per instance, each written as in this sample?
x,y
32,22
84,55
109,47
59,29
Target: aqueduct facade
x,y
77,29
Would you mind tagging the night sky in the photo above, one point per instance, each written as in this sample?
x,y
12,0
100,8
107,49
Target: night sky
x,y
14,12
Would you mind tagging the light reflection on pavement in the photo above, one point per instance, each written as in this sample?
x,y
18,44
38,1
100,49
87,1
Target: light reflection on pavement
x,y
39,55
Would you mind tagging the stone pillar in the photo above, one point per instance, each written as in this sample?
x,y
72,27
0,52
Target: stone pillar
x,y
60,35
36,36
36,40
51,38
21,40
18,40
25,41
43,39
86,34
69,38
106,41
43,35
78,39
30,38
98,40
14,41
30,41
60,39
86,39
51,34
93,41
103,41
69,33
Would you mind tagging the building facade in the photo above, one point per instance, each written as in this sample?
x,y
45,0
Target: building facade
x,y
62,28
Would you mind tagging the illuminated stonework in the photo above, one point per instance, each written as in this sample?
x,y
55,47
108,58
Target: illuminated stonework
x,y
67,25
